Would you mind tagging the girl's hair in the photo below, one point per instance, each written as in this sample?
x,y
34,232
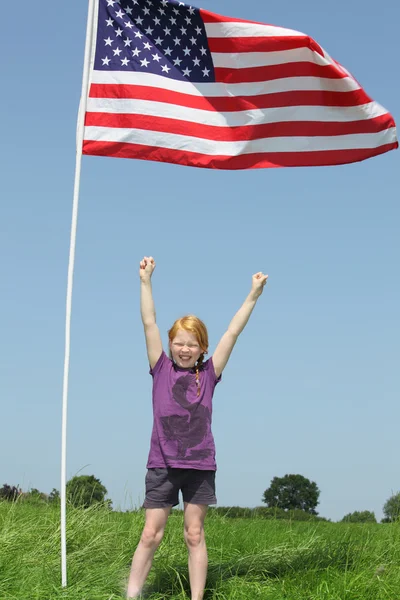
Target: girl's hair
x,y
193,325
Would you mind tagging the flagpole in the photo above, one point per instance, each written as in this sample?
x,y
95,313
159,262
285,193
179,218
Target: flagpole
x,y
79,140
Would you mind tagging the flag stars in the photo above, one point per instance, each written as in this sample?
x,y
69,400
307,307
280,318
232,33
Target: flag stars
x,y
196,62
193,40
108,41
203,51
198,30
139,21
161,11
149,30
127,42
191,10
172,21
136,52
144,62
109,22
120,14
158,41
167,31
128,10
117,51
177,62
105,61
206,72
129,25
111,3
186,51
157,21
138,34
177,41
146,10
118,32
165,69
188,20
156,57
184,30
186,72
124,62
168,51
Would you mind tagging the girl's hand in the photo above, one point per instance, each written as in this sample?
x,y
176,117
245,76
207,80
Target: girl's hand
x,y
258,283
147,266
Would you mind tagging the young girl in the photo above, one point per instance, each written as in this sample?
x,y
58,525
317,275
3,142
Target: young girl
x,y
182,451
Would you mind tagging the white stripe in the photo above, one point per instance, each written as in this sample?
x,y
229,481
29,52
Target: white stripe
x,y
225,90
241,60
232,29
285,144
234,119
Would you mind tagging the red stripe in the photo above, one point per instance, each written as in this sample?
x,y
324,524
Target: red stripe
x,y
257,44
235,134
245,161
210,17
233,103
259,74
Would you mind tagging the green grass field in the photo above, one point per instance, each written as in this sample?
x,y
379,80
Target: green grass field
x,y
249,559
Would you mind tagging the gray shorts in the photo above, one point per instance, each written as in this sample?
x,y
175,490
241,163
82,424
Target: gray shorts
x,y
163,485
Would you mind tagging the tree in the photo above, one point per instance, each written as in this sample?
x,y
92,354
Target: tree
x,y
85,490
364,516
291,492
54,496
391,509
8,492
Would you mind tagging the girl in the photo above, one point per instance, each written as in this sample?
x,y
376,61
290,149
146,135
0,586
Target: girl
x,y
182,451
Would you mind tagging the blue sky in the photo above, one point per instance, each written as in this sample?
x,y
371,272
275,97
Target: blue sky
x,y
313,384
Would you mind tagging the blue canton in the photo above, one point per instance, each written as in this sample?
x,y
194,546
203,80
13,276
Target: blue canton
x,y
164,37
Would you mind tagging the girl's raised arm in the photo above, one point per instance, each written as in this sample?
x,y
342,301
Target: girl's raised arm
x,y
238,323
148,312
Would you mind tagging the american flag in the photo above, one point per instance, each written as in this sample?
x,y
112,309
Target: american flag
x,y
173,83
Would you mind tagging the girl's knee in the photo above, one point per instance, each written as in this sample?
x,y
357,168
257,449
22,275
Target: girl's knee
x,y
151,537
194,535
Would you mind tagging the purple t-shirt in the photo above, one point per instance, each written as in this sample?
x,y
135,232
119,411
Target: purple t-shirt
x,y
181,436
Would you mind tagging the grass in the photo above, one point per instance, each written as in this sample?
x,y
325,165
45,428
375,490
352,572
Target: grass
x,y
249,559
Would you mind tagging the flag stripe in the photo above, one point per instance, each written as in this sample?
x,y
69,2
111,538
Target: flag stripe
x,y
257,74
235,29
257,44
240,60
139,121
210,147
220,89
232,103
252,161
234,119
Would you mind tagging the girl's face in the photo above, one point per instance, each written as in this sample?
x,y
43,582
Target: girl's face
x,y
185,349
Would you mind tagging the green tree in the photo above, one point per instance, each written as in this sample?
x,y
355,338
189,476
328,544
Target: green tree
x,y
291,492
391,508
54,496
85,490
364,516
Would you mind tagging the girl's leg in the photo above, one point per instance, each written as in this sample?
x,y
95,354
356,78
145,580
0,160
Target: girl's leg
x,y
156,519
196,544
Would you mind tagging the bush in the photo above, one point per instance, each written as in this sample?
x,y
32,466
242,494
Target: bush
x,y
364,516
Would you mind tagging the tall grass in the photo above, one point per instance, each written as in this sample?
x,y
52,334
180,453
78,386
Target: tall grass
x,y
249,559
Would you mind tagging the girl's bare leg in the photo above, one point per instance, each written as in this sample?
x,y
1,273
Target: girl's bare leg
x,y
196,544
153,531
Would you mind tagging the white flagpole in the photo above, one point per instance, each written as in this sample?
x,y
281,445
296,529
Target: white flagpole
x,y
79,141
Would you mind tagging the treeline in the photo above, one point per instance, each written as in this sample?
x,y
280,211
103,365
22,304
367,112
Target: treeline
x,y
291,497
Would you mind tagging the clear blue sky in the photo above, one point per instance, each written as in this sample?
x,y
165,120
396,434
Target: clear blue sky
x,y
313,384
